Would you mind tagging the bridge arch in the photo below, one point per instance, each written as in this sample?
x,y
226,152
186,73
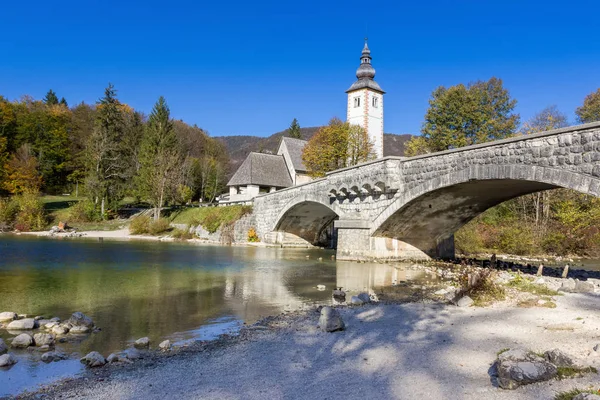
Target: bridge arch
x,y
308,217
429,212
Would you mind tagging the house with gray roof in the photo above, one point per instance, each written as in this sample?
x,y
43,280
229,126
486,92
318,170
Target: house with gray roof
x,y
266,173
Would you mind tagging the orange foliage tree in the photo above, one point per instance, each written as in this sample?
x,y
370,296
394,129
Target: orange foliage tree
x,y
21,172
336,145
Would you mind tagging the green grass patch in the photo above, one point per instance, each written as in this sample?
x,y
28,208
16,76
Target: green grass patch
x,y
572,393
571,372
182,234
504,350
525,285
483,288
211,218
530,303
143,224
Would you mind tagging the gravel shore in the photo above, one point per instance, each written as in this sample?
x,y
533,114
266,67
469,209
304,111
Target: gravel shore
x,y
406,351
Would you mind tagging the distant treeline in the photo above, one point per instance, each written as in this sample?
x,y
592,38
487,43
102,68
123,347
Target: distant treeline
x,y
96,150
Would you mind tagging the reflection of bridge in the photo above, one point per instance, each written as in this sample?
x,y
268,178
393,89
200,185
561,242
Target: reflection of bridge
x,y
410,207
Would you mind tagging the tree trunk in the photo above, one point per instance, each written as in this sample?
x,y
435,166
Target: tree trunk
x,y
102,209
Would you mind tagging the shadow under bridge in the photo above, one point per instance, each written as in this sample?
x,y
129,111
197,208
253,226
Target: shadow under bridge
x,y
311,221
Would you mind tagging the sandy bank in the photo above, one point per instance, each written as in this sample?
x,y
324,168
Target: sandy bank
x,y
123,234
409,351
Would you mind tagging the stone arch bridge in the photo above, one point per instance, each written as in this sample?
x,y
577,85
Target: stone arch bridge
x,y
409,208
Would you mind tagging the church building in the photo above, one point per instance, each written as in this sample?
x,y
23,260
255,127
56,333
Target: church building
x,y
264,173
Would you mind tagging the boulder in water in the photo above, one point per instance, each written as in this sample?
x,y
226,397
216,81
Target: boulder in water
x,y
22,324
22,341
43,339
7,316
7,360
80,319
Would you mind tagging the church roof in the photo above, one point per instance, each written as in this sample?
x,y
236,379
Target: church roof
x,y
295,148
365,73
263,170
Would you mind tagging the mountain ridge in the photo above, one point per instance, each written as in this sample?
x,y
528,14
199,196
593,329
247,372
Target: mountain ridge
x,y
239,146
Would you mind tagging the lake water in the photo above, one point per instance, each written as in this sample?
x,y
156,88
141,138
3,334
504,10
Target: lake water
x,y
175,291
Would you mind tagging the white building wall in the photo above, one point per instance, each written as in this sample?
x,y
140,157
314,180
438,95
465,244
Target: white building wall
x,y
368,115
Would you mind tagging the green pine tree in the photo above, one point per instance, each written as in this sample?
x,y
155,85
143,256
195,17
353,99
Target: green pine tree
x,y
160,159
294,130
51,99
63,102
106,164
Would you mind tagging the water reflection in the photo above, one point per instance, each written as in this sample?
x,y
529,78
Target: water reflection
x,y
162,290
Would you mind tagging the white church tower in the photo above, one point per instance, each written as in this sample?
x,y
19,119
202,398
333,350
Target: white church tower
x,y
365,102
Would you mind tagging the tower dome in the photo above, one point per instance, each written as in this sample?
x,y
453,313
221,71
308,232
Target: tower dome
x,y
365,70
365,73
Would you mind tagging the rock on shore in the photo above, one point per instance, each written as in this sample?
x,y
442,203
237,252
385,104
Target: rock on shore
x,y
330,320
93,359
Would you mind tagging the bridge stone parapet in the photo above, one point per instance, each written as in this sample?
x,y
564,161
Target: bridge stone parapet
x,y
396,207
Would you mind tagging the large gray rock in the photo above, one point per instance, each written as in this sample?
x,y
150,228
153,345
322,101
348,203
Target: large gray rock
x,y
7,360
22,324
142,343
567,286
7,316
584,287
22,341
43,339
465,301
3,347
521,367
80,319
330,320
112,358
54,356
93,359
558,358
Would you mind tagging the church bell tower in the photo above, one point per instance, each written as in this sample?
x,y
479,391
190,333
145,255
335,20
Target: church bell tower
x,y
365,102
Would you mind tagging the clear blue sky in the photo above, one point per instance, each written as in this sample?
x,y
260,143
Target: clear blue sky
x,y
250,67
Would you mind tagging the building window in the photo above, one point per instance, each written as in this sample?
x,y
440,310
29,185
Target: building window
x,y
375,102
356,102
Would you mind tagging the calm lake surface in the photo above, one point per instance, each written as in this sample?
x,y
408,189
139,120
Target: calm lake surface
x,y
175,291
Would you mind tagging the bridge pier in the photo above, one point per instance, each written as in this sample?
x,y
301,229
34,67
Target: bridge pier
x,y
354,242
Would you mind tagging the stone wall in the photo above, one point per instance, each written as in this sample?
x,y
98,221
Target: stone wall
x,y
240,230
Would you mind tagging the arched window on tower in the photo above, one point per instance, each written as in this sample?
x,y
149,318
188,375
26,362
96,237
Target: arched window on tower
x,y
375,102
356,102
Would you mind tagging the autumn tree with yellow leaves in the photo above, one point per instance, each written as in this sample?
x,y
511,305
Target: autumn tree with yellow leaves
x,y
336,145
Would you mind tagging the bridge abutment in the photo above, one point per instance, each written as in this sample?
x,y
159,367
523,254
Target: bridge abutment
x,y
354,242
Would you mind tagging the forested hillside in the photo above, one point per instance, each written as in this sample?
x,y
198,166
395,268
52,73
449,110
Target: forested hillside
x,y
101,152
